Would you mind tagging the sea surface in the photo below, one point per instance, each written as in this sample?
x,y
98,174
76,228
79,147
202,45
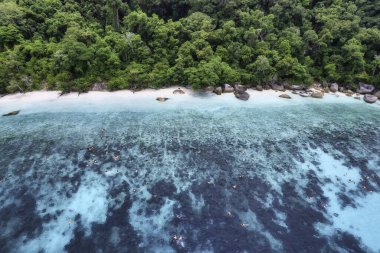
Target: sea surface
x,y
299,177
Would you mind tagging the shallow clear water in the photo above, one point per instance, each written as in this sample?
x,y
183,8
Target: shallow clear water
x,y
266,179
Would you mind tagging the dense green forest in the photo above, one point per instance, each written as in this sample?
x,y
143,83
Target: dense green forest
x,y
72,44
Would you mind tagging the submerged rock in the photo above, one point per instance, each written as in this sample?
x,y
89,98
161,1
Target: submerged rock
x,y
161,99
370,98
259,88
334,87
218,90
242,95
285,96
228,88
365,88
178,91
11,113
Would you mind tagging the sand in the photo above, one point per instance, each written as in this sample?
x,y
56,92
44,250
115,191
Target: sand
x,y
125,100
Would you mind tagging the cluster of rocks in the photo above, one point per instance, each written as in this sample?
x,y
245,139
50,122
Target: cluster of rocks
x,y
315,91
312,92
367,90
178,91
240,91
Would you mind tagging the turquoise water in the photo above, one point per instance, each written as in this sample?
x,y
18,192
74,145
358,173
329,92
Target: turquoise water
x,y
291,178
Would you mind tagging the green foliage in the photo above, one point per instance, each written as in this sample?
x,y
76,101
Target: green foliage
x,y
9,36
211,73
262,70
159,75
70,44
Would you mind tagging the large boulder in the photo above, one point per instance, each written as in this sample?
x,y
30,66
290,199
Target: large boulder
x,y
11,113
161,99
377,94
218,90
317,94
240,88
259,88
228,88
178,91
285,96
242,95
370,98
277,87
334,87
365,88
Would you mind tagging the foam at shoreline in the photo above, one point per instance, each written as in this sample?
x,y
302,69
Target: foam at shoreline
x,y
125,100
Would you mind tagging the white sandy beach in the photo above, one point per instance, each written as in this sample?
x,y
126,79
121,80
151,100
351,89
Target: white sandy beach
x,y
99,101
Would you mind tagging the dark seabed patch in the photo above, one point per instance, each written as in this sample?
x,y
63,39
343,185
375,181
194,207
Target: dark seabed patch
x,y
252,180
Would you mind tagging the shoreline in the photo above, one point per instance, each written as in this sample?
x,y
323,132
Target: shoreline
x,y
124,100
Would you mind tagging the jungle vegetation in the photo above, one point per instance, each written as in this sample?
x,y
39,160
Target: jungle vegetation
x,y
71,44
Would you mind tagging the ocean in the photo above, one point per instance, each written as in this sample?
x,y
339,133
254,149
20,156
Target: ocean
x,y
201,176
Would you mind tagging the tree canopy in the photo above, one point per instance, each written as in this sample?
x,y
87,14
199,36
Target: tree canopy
x,y
71,44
